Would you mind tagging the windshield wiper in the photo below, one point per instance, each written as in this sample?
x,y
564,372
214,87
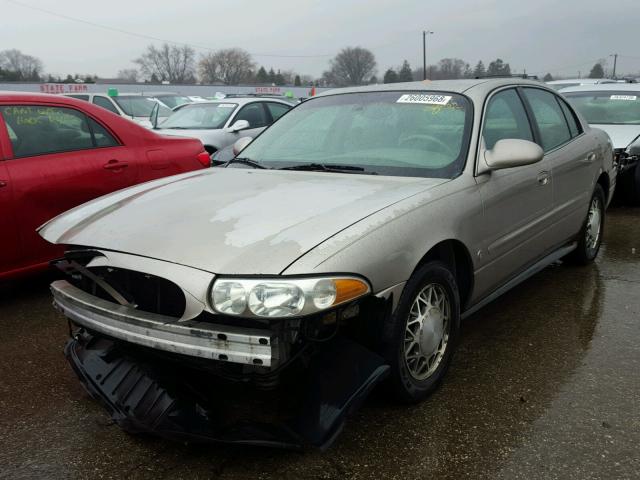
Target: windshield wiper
x,y
245,161
328,167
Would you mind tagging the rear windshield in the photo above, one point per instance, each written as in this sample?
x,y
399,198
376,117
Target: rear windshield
x,y
607,108
389,133
200,116
173,101
135,106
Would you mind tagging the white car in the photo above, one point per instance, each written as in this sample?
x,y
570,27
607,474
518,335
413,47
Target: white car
x,y
575,82
220,123
615,108
136,106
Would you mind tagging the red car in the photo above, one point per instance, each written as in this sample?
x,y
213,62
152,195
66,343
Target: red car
x,y
58,152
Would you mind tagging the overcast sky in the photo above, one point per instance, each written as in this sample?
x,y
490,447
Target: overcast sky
x,y
561,37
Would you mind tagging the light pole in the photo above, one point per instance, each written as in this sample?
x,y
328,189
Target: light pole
x,y
615,64
424,52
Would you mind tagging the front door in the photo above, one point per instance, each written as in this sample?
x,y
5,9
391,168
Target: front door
x,y
516,201
10,251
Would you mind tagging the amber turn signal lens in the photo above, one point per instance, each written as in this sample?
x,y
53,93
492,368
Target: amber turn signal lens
x,y
348,289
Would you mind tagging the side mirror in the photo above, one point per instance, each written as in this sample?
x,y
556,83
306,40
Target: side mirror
x,y
511,152
241,144
153,116
634,149
238,125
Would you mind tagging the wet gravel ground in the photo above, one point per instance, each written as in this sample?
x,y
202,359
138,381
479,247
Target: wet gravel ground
x,y
545,384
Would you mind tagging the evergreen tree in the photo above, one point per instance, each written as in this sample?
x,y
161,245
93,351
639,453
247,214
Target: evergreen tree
x,y
480,70
405,74
262,76
597,71
297,82
390,76
272,76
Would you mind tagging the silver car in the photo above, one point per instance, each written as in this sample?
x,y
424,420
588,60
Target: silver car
x,y
341,247
615,108
220,123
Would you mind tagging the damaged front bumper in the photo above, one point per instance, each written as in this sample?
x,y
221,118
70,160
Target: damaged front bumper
x,y
153,375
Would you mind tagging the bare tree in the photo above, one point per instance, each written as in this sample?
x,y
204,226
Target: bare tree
x,y
18,66
230,66
130,74
352,66
168,63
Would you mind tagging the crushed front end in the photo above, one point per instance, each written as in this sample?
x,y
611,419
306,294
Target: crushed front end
x,y
163,361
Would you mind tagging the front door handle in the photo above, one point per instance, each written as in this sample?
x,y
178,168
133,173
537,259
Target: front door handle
x,y
590,158
543,178
115,165
3,183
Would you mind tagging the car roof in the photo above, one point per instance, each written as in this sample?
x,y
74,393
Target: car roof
x,y
604,87
11,96
241,101
581,81
455,86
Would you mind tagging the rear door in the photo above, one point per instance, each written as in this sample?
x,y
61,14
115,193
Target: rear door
x,y
60,159
571,156
10,251
516,200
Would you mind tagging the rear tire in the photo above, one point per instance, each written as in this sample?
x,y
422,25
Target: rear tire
x,y
423,332
590,236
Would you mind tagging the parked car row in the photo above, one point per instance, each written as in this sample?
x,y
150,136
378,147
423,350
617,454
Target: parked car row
x,y
339,248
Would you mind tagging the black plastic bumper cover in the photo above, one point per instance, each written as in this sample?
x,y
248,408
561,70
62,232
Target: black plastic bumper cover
x,y
145,395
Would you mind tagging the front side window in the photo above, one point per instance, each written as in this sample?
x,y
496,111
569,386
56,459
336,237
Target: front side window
x,y
422,134
607,107
254,114
505,118
548,115
200,116
40,130
105,103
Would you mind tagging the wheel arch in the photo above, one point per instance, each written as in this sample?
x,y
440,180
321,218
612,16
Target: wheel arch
x,y
456,256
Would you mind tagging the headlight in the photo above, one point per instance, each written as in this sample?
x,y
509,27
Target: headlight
x,y
283,297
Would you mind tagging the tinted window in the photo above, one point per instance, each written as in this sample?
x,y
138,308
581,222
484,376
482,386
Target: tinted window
x,y
101,136
552,125
277,110
422,134
254,114
40,130
506,118
574,126
105,103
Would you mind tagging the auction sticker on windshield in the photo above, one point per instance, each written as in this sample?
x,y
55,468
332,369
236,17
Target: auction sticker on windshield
x,y
226,105
425,99
624,97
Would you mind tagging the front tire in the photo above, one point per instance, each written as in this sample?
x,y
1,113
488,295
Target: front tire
x,y
423,332
590,236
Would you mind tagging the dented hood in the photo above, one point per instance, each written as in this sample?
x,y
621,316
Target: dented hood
x,y
233,220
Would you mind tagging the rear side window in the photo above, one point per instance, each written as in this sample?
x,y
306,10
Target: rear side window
x,y
39,130
80,97
549,117
101,136
105,103
277,110
574,126
506,118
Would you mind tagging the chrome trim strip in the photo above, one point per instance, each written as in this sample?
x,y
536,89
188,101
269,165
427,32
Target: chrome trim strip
x,y
196,339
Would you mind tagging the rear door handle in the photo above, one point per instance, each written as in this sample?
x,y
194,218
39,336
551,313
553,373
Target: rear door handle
x,y
543,178
3,183
115,165
590,158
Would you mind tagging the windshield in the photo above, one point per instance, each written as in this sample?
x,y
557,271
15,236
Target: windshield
x,y
172,101
135,106
390,133
201,116
607,107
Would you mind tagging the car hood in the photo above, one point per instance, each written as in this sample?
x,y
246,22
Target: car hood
x,y
621,135
233,220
